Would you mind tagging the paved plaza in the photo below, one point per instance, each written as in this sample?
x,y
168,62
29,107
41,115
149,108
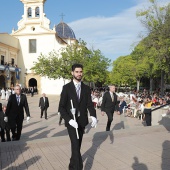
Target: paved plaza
x,y
45,145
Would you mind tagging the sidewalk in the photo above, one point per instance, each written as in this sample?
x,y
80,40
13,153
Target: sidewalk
x,y
45,145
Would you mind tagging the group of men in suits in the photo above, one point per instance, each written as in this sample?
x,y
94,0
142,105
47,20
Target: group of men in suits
x,y
74,94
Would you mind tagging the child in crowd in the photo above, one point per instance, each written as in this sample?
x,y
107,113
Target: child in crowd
x,y
4,125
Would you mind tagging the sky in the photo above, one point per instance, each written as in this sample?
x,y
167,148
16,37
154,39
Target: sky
x,y
108,25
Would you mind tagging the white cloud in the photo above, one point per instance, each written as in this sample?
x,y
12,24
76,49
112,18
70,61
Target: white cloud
x,y
114,35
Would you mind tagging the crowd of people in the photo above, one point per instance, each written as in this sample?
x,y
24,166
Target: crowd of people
x,y
6,92
76,100
133,104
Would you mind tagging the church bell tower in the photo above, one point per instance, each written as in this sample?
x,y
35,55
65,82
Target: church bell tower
x,y
33,16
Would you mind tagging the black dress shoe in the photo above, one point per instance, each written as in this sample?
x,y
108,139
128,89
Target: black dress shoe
x,y
107,129
3,140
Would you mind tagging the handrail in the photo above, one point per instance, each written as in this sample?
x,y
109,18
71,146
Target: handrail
x,y
160,107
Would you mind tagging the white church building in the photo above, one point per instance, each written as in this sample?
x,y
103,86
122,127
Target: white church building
x,y
20,49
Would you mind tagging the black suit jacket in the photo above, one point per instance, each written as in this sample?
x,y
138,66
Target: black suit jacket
x,y
107,104
42,104
69,93
14,110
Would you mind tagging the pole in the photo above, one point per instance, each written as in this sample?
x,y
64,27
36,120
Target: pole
x,y
73,111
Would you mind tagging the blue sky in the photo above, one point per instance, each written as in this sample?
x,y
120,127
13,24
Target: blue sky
x,y
109,25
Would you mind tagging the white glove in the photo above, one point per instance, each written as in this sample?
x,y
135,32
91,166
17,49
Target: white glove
x,y
6,119
73,123
28,118
94,122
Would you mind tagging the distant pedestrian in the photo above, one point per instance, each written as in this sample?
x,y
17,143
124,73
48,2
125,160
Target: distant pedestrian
x,y
108,105
4,127
15,112
43,104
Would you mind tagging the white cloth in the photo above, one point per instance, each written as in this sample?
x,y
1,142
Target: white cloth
x,y
73,123
94,122
2,94
7,95
28,118
6,119
13,92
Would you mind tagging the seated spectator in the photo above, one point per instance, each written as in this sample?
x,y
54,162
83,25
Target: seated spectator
x,y
122,105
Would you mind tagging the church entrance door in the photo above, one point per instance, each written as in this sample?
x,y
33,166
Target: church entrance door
x,y
2,82
32,82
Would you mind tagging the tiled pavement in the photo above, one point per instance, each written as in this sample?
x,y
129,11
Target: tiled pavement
x,y
45,145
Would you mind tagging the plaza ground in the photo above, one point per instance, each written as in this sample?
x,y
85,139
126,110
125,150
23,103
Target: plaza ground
x,y
45,145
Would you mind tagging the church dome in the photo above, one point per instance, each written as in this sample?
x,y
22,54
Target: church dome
x,y
64,31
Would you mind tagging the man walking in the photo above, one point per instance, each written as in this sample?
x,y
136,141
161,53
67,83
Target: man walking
x,y
15,112
44,104
80,95
108,105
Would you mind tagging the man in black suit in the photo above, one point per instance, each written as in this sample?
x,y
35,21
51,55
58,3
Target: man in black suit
x,y
44,104
108,105
80,94
15,112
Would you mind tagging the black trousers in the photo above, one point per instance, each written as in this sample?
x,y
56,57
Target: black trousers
x,y
3,132
76,162
16,131
60,120
148,118
44,110
110,119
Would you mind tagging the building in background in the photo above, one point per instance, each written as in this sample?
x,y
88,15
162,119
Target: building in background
x,y
22,48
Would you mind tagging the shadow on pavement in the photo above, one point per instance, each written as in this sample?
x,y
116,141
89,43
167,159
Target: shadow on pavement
x,y
11,156
138,166
165,155
30,124
61,133
98,139
165,121
119,126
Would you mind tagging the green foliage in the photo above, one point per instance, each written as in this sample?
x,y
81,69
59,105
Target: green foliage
x,y
59,66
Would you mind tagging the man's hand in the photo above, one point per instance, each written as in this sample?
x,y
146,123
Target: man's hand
x,y
6,119
102,113
73,123
94,122
28,118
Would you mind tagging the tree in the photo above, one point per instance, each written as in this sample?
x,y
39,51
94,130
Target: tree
x,y
156,21
59,66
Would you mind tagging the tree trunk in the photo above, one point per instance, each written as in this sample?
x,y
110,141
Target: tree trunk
x,y
151,84
162,82
138,85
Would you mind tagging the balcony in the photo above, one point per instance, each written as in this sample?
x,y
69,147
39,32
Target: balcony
x,y
11,68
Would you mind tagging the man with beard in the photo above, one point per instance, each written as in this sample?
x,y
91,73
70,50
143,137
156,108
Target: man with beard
x,y
80,95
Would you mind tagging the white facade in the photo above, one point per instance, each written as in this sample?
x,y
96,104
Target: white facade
x,y
35,27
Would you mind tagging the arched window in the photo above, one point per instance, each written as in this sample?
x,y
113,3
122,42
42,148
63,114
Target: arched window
x,y
29,12
37,12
